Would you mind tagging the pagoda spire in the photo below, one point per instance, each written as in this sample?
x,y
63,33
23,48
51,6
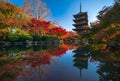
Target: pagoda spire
x,y
80,7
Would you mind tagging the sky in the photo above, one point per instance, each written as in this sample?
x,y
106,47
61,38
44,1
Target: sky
x,y
62,11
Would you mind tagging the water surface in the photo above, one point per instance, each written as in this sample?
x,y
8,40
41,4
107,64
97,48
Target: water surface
x,y
57,63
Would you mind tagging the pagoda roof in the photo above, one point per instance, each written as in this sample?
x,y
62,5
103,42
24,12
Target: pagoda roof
x,y
80,24
80,29
81,66
83,58
79,20
80,14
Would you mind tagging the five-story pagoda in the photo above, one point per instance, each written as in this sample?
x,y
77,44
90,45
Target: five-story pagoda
x,y
81,22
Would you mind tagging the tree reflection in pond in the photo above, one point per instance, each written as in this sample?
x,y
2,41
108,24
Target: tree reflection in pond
x,y
28,64
108,67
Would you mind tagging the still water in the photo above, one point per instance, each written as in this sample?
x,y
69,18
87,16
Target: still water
x,y
57,63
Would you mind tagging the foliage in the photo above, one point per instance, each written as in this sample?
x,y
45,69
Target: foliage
x,y
109,27
112,16
38,26
45,38
36,37
43,28
57,32
15,25
105,37
72,35
37,48
41,38
13,37
25,37
16,37
11,15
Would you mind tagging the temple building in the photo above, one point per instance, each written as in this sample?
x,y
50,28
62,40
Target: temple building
x,y
81,22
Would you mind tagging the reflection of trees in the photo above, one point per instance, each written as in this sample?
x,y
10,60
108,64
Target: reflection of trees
x,y
109,71
38,73
108,68
29,65
109,63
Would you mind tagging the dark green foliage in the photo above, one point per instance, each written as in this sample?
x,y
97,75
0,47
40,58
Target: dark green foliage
x,y
22,38
36,37
37,48
45,47
13,50
17,49
46,38
41,38
17,38
25,37
111,16
13,37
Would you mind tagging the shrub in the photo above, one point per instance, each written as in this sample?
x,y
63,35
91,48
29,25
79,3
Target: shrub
x,y
37,48
41,38
46,38
13,37
17,38
25,37
36,37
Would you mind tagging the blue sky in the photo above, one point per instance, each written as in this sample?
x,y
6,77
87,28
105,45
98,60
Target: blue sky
x,y
63,10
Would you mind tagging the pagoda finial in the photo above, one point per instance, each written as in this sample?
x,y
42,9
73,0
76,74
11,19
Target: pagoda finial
x,y
80,7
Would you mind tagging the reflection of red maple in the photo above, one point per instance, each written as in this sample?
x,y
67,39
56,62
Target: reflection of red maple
x,y
44,59
44,56
59,51
34,60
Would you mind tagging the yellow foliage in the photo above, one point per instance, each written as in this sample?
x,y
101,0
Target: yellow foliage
x,y
113,25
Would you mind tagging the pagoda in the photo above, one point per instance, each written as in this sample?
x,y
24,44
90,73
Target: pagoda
x,y
81,22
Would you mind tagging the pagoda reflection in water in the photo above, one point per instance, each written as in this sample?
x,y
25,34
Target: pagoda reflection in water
x,y
80,59
108,65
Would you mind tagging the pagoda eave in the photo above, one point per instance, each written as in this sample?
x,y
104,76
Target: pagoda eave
x,y
80,20
80,14
80,24
80,29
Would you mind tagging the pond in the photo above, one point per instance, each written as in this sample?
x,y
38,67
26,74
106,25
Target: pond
x,y
57,63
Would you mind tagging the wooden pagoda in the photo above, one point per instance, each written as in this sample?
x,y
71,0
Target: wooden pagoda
x,y
81,22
